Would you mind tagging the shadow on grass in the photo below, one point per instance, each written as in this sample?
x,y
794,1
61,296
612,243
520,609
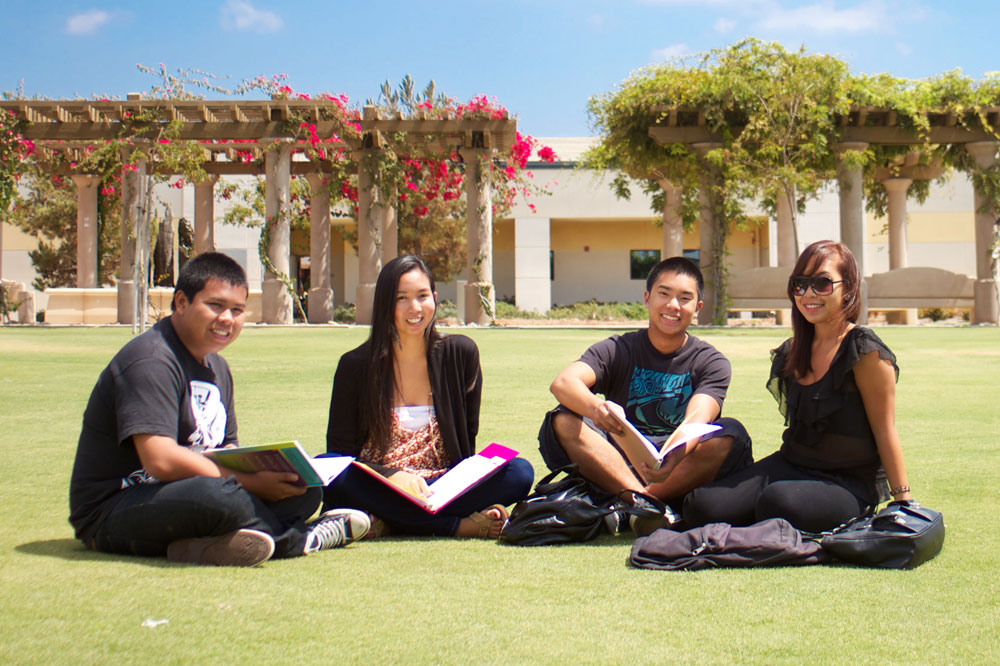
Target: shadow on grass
x,y
72,550
604,541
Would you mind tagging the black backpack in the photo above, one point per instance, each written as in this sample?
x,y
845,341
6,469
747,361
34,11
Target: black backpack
x,y
569,510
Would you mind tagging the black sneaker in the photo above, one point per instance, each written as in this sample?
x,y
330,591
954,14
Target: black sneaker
x,y
336,528
240,548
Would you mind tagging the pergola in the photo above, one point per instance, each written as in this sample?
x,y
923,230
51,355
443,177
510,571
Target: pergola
x,y
862,127
264,127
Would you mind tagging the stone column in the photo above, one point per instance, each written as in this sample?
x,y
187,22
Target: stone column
x,y
204,215
532,279
852,216
338,266
896,189
987,308
786,241
320,293
788,251
130,205
276,306
388,223
369,245
673,223
86,230
480,299
706,237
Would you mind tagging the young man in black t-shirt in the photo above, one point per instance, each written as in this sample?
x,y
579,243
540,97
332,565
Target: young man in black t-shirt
x,y
662,376
140,484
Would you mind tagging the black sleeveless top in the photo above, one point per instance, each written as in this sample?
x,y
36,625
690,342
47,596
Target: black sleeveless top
x,y
827,427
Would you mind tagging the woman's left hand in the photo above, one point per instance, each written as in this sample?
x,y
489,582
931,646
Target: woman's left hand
x,y
411,483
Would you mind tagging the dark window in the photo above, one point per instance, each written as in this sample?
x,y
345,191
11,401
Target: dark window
x,y
552,265
640,261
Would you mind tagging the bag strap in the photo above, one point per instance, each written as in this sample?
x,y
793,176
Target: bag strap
x,y
568,470
642,505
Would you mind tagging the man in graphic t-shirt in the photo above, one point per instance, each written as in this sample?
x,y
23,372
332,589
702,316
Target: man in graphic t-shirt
x,y
140,484
661,376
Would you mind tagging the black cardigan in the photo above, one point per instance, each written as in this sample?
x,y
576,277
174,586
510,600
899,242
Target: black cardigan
x,y
456,383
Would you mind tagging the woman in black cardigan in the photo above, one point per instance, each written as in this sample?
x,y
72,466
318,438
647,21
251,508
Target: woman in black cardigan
x,y
406,403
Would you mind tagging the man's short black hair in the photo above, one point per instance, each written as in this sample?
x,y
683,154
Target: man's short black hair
x,y
204,267
679,265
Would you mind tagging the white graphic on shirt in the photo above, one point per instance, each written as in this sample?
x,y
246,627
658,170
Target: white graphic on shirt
x,y
209,415
138,477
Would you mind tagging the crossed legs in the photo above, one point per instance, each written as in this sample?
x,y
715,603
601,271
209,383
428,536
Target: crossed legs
x,y
601,462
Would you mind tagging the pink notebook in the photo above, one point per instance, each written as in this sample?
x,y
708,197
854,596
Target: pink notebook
x,y
455,482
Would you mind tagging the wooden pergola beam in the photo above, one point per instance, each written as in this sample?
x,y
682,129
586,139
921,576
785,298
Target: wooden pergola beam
x,y
862,124
204,120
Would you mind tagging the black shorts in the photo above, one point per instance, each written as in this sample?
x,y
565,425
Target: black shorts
x,y
740,456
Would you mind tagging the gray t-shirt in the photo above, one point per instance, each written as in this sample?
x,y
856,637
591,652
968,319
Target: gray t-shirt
x,y
655,388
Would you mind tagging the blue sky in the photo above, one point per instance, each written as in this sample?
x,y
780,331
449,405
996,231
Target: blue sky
x,y
542,59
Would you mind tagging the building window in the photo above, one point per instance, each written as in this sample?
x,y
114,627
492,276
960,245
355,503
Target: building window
x,y
640,261
693,255
552,265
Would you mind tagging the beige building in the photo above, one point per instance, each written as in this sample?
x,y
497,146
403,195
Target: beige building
x,y
582,243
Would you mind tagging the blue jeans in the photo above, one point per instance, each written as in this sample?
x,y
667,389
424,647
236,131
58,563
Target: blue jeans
x,y
146,518
358,490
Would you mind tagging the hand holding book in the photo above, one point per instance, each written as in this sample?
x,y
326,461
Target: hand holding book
x,y
646,456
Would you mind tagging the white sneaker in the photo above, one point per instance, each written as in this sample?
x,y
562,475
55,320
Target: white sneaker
x,y
336,528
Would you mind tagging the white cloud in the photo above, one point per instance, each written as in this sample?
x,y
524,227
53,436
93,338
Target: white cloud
x,y
88,22
241,15
724,25
672,51
825,17
903,48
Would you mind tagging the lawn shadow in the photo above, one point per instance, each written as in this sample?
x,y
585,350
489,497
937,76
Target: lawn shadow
x,y
72,550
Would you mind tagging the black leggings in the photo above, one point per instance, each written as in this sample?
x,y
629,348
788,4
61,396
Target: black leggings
x,y
773,488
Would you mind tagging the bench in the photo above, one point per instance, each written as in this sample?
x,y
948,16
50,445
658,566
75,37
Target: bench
x,y
901,290
71,305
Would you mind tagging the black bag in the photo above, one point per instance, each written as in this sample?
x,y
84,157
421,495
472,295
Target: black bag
x,y
903,535
569,510
769,543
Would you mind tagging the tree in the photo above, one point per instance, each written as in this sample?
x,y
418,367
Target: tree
x,y
776,118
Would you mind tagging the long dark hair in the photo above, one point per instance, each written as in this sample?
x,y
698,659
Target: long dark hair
x,y
380,389
799,356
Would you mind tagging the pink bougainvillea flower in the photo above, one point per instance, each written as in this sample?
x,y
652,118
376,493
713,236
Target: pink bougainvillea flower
x,y
547,154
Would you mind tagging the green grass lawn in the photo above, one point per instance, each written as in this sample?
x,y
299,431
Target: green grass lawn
x,y
448,601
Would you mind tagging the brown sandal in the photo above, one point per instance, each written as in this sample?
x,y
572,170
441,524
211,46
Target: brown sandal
x,y
490,528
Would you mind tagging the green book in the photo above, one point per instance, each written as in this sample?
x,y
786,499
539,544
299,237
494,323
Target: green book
x,y
281,457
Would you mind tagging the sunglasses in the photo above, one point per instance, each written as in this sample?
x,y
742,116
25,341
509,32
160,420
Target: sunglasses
x,y
821,286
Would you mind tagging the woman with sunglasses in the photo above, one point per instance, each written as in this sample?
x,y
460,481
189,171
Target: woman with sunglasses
x,y
835,383
406,403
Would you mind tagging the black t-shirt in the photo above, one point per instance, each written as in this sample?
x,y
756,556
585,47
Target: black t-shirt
x,y
152,386
655,388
